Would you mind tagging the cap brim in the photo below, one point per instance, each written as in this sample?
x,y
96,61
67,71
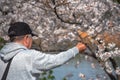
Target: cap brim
x,y
34,34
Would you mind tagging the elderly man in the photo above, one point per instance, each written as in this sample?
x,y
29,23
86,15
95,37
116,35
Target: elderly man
x,y
19,62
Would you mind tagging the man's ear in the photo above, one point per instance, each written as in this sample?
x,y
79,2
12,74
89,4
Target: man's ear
x,y
25,40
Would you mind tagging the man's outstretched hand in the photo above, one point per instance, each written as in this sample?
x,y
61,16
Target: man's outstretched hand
x,y
81,47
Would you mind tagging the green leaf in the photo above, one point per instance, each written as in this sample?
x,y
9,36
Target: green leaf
x,y
1,39
43,78
50,72
44,73
64,79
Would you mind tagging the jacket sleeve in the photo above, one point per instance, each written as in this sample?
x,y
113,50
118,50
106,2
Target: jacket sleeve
x,y
43,61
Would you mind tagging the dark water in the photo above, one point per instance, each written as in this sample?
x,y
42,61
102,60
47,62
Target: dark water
x,y
80,68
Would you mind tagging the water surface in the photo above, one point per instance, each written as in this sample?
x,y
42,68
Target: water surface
x,y
80,68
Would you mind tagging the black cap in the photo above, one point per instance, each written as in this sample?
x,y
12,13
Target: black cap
x,y
19,29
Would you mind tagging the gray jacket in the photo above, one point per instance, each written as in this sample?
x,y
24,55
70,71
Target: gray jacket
x,y
27,64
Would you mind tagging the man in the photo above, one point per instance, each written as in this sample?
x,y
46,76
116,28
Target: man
x,y
27,63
